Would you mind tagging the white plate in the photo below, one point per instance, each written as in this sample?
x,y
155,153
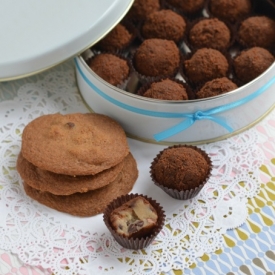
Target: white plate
x,y
36,35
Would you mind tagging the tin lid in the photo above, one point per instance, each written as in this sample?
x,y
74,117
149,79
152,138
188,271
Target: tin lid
x,y
36,35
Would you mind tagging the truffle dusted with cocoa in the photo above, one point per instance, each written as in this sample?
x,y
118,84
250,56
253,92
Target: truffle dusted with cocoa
x,y
157,57
251,63
206,64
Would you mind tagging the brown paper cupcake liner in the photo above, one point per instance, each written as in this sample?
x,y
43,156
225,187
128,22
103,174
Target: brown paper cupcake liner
x,y
122,85
145,87
134,243
182,194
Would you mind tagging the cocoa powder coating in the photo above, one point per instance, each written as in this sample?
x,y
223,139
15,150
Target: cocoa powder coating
x,y
180,168
165,24
166,89
206,64
216,87
257,31
210,33
230,10
115,40
157,57
142,8
252,62
187,6
111,68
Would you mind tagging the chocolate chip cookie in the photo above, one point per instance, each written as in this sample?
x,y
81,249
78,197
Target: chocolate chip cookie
x,y
74,144
92,202
59,184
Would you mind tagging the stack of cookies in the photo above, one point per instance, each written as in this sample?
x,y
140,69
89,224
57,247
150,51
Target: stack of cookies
x,y
76,163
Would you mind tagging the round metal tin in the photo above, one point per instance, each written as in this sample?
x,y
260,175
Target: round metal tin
x,y
36,35
173,122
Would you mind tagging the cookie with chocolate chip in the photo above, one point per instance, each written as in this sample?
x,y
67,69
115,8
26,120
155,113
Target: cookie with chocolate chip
x,y
74,144
92,202
59,184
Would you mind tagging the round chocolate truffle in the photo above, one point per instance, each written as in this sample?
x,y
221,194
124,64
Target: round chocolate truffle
x,y
210,33
111,68
206,64
180,168
157,57
252,62
187,6
230,10
216,87
166,89
165,24
257,31
142,8
117,39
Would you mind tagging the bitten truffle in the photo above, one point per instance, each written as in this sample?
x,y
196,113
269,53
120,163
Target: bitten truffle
x,y
206,64
142,8
166,89
181,168
257,31
210,33
230,10
187,6
111,68
251,63
117,39
157,57
164,24
134,219
216,87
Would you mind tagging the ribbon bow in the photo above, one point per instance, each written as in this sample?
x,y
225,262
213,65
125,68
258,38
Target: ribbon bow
x,y
189,120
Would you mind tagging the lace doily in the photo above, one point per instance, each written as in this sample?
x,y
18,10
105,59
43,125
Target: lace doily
x,y
68,245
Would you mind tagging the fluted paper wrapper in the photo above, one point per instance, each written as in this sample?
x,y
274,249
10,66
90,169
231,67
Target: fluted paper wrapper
x,y
182,194
134,243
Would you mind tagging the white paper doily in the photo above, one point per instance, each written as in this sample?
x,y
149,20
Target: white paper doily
x,y
68,245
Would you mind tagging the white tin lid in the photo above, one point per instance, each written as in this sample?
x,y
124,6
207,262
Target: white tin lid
x,y
36,35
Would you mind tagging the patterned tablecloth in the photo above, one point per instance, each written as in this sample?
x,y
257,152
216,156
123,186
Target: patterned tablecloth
x,y
248,250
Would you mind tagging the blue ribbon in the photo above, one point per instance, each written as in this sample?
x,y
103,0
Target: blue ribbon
x,y
190,118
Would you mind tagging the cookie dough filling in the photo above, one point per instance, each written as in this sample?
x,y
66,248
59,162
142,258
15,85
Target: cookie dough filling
x,y
134,218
